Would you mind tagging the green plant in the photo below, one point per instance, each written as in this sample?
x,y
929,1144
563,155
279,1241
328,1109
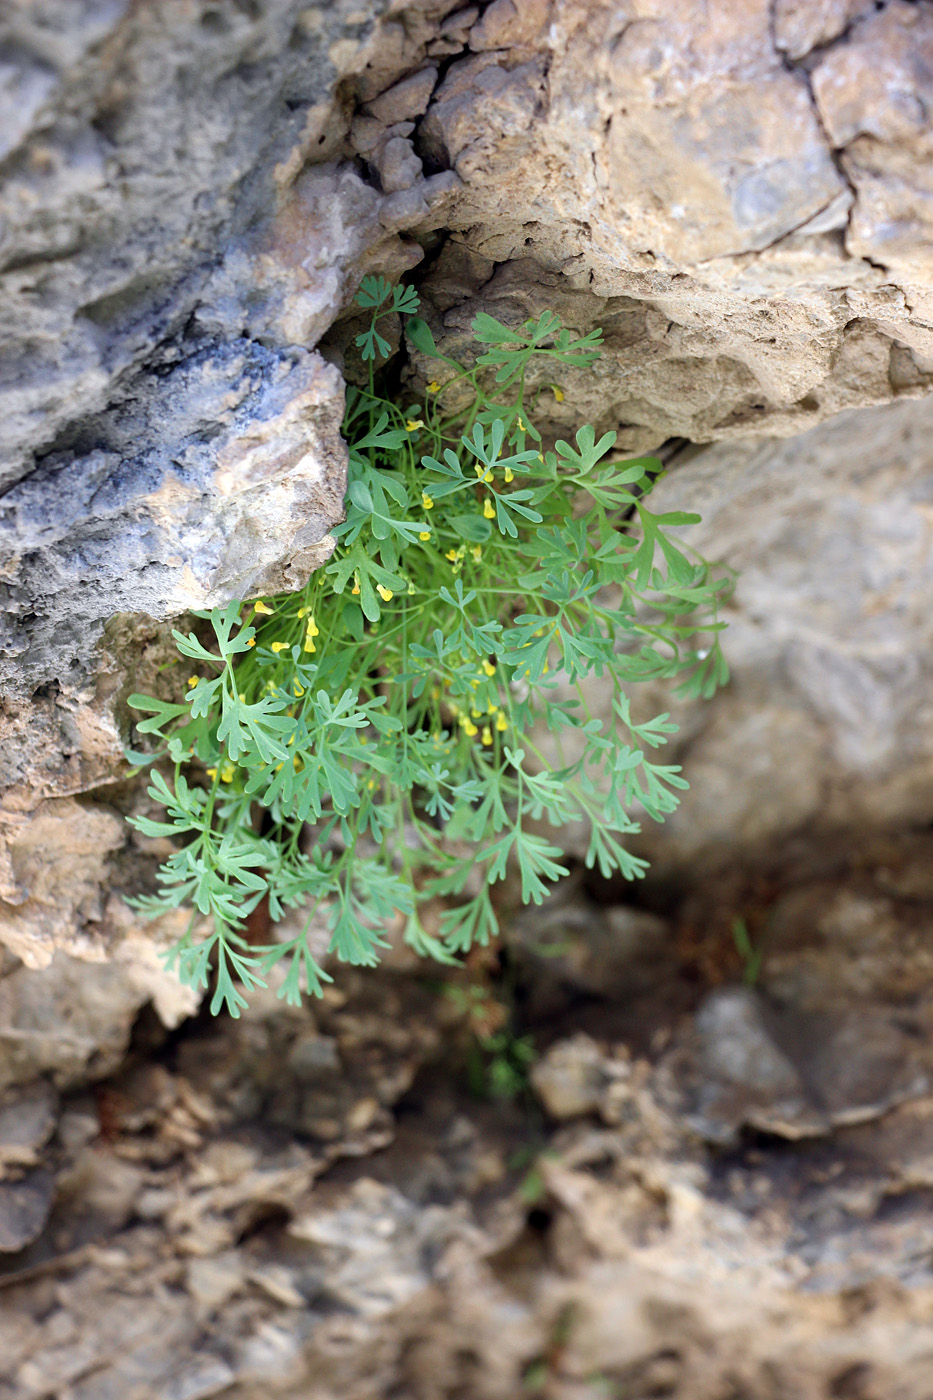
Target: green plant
x,y
392,704
751,956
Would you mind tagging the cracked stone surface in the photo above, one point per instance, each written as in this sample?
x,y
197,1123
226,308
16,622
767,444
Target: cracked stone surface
x,y
310,1202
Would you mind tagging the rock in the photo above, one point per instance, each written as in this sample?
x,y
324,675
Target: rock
x,y
24,1209
406,99
730,1073
398,165
569,1079
27,1121
706,197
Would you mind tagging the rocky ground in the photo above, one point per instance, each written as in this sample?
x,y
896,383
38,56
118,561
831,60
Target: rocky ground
x,y
670,1173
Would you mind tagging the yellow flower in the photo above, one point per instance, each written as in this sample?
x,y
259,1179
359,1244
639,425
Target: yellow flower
x,y
502,723
279,646
413,424
558,393
311,632
193,680
309,644
521,426
433,387
426,502
486,735
477,552
212,772
251,642
451,555
469,728
227,772
509,475
299,689
384,593
298,765
489,668
488,510
424,535
262,607
483,473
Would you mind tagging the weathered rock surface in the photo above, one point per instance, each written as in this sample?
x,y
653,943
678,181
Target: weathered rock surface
x,y
280,1206
828,722
738,194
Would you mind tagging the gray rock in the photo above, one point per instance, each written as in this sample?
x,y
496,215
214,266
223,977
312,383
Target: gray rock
x,y
24,1209
405,99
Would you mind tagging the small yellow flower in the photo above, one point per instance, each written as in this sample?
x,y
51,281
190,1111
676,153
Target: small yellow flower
x,y
384,593
486,735
488,509
312,628
251,642
426,502
451,555
262,607
212,772
477,552
502,723
302,612
299,689
227,772
483,472
509,475
371,784
193,680
433,387
309,646
413,424
298,765
489,668
469,728
558,393
242,698
521,426
424,535
279,646
356,587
